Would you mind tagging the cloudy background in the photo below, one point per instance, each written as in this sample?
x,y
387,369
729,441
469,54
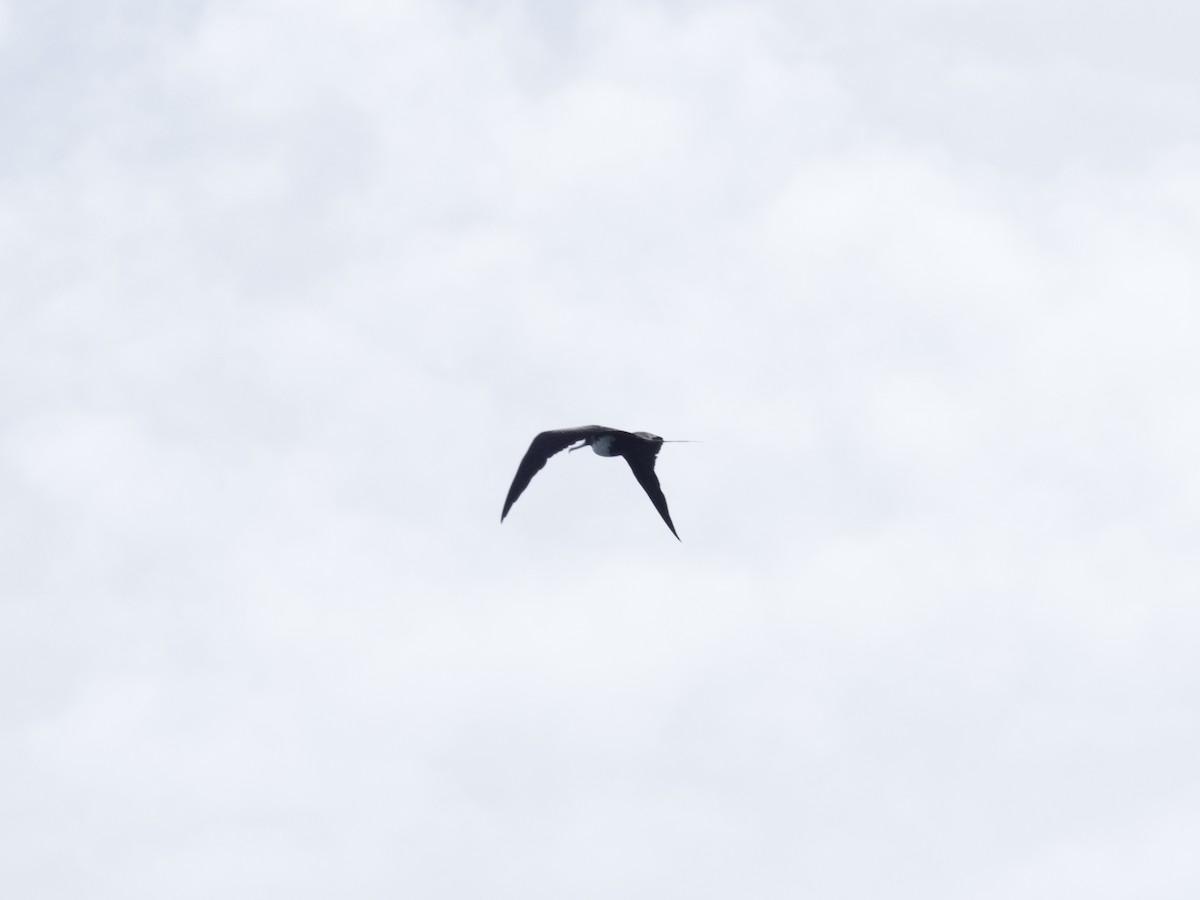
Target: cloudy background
x,y
286,289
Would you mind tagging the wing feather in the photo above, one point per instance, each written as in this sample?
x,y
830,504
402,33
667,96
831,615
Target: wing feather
x,y
544,446
642,465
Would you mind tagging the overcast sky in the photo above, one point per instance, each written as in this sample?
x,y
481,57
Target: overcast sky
x,y
287,287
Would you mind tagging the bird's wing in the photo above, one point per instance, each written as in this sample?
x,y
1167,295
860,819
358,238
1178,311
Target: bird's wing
x,y
643,470
544,446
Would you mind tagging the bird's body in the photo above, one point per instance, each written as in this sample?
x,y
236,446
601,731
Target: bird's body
x,y
639,448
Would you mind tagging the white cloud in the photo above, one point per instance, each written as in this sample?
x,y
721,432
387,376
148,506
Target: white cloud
x,y
287,288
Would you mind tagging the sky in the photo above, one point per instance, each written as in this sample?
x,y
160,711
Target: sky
x,y
286,289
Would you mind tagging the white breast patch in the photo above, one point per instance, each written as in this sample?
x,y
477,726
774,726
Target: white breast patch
x,y
603,445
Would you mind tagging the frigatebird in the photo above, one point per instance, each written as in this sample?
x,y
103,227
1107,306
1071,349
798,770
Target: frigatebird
x,y
638,447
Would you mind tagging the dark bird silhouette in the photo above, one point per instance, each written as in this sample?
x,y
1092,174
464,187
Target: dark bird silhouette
x,y
639,448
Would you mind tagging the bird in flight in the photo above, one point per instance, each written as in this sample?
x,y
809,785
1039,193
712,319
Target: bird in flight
x,y
639,448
